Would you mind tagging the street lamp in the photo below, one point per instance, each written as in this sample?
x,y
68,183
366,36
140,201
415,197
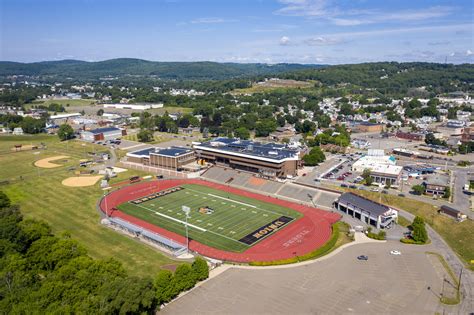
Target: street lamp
x,y
186,211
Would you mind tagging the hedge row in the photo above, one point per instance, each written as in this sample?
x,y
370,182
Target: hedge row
x,y
321,251
411,241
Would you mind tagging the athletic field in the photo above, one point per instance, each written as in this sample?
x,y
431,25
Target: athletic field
x,y
217,218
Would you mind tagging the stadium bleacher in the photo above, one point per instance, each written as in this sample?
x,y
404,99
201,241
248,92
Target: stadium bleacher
x,y
176,248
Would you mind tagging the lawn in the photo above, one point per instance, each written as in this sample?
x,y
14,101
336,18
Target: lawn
x,y
42,196
233,217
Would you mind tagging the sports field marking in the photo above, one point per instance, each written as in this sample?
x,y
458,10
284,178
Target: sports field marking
x,y
216,196
173,219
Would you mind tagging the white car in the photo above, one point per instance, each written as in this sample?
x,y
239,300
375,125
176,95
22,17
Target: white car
x,y
395,252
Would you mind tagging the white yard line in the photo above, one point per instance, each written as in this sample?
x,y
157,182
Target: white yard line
x,y
174,219
216,196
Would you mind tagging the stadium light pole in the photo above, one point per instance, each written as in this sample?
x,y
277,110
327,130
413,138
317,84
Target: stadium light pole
x,y
186,211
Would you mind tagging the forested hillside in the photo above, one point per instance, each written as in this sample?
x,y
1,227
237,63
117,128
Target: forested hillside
x,y
137,67
393,77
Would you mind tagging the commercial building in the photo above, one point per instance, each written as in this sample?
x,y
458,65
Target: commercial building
x,y
368,211
436,184
270,160
134,106
410,136
170,158
65,116
368,127
102,134
383,168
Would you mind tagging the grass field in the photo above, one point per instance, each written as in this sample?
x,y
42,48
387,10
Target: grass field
x,y
269,86
65,103
42,196
233,217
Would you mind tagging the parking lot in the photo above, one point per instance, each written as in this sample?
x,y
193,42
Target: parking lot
x,y
384,284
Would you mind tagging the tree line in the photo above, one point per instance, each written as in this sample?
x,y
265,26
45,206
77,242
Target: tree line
x,y
44,273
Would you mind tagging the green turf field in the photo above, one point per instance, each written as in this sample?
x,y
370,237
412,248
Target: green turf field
x,y
233,216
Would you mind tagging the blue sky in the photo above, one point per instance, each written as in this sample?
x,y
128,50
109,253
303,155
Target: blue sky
x,y
271,31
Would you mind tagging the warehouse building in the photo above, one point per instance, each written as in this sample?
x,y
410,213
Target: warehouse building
x,y
368,211
269,160
170,158
103,134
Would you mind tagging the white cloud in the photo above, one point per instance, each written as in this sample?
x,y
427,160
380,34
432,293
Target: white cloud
x,y
210,20
323,41
285,41
325,9
469,52
303,7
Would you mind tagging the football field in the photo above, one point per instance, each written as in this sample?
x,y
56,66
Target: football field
x,y
217,218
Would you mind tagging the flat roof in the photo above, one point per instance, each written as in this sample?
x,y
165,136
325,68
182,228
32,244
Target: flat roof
x,y
103,130
170,151
364,203
268,151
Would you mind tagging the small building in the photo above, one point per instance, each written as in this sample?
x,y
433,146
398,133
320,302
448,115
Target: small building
x,y
18,131
454,213
410,136
170,158
102,134
366,210
436,184
285,132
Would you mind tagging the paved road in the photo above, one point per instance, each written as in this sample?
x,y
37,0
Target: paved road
x,y
385,284
454,261
460,199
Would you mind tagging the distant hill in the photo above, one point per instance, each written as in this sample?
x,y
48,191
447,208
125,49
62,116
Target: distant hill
x,y
137,67
389,77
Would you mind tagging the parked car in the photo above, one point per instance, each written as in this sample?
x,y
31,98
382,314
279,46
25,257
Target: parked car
x,y
363,257
395,252
401,195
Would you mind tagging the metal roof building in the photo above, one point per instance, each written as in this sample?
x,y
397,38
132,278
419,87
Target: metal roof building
x,y
170,158
268,159
366,210
100,134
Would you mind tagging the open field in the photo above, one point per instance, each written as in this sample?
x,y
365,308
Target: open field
x,y
459,236
65,103
41,195
171,110
233,217
156,138
270,85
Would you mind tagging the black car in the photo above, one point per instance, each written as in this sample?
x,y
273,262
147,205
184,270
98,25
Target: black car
x,y
363,257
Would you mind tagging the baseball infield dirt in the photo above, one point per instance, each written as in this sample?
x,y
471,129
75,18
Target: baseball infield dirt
x,y
81,181
45,163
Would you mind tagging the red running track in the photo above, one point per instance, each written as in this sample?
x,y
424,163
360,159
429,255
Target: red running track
x,y
300,237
